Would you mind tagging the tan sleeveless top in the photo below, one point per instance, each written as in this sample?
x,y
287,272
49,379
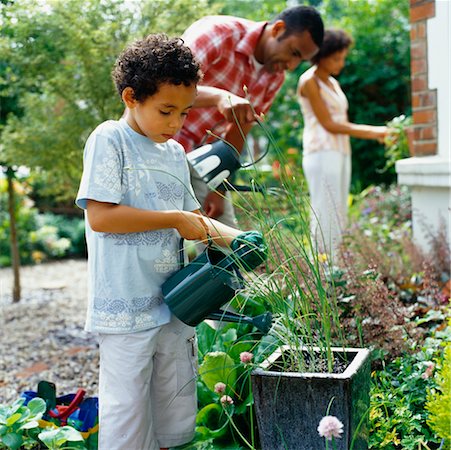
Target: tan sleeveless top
x,y
315,137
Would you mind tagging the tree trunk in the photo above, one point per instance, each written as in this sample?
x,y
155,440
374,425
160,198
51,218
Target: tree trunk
x,y
15,257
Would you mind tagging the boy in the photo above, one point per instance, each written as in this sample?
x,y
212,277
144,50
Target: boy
x,y
138,199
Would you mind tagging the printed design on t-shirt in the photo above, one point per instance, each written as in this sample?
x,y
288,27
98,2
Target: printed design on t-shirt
x,y
167,263
107,175
131,306
169,192
151,238
120,313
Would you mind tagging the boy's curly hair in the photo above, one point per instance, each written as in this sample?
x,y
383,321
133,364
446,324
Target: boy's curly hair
x,y
156,59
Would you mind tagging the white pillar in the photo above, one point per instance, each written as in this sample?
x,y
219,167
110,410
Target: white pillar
x,y
429,177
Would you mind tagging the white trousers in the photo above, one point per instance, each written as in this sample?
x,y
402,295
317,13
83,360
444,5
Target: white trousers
x,y
328,175
147,388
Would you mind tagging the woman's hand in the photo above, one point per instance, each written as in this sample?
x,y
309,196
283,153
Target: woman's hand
x,y
379,133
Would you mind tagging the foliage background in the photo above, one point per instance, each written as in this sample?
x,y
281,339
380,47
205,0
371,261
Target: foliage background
x,y
55,84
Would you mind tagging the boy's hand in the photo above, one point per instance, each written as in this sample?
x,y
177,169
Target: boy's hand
x,y
192,226
250,249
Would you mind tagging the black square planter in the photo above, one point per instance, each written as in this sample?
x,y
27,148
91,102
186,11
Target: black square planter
x,y
290,405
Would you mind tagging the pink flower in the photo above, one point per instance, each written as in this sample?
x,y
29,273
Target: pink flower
x,y
428,372
330,427
220,388
226,400
246,357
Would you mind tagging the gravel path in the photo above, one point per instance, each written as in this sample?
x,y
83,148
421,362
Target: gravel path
x,y
42,336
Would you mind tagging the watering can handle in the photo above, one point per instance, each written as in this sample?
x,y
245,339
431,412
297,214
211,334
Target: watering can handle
x,y
182,251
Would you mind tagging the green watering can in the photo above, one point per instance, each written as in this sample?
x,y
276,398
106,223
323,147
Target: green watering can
x,y
198,290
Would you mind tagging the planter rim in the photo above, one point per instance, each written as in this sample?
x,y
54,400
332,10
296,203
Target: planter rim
x,y
361,355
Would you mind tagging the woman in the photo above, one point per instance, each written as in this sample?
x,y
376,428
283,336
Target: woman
x,y
326,139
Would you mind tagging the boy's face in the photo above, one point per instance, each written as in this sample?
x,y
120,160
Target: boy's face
x,y
160,116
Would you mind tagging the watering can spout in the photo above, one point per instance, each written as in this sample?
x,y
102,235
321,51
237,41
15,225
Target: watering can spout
x,y
263,322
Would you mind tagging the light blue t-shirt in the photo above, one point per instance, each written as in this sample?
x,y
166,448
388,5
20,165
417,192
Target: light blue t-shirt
x,y
126,270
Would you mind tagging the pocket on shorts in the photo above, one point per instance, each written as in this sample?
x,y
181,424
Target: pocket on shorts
x,y
187,367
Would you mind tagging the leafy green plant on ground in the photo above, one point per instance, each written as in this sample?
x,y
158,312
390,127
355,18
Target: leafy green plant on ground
x,y
225,415
62,438
439,399
400,414
40,236
19,426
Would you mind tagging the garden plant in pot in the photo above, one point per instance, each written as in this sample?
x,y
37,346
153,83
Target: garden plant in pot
x,y
308,373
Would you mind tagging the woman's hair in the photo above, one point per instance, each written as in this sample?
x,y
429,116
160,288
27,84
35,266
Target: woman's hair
x,y
156,59
334,41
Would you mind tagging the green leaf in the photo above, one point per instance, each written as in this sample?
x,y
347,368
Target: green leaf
x,y
37,407
16,405
24,415
218,367
29,425
13,441
59,436
13,419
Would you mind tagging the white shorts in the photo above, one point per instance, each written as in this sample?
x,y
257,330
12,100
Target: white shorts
x,y
147,388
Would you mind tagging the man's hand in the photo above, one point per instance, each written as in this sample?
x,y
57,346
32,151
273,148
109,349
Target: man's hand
x,y
235,108
214,205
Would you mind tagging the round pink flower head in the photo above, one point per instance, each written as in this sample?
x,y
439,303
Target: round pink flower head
x,y
246,357
220,388
226,400
330,427
428,372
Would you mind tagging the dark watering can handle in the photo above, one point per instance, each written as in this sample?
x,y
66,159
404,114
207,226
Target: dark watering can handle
x,y
182,251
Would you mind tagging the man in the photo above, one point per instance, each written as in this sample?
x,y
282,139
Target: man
x,y
234,53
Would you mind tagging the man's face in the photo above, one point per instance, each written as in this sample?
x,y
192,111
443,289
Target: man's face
x,y
286,53
161,116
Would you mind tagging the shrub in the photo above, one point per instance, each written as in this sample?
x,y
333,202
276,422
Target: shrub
x,y
40,236
439,399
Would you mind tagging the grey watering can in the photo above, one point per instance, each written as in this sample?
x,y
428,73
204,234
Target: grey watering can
x,y
214,162
217,161
198,290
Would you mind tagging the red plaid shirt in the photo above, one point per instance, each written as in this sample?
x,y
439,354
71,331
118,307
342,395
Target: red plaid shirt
x,y
225,46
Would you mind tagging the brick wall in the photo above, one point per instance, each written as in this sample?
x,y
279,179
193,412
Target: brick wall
x,y
424,100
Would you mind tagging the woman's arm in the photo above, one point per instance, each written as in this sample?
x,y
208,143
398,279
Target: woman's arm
x,y
310,90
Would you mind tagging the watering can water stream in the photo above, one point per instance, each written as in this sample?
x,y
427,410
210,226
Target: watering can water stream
x,y
197,291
